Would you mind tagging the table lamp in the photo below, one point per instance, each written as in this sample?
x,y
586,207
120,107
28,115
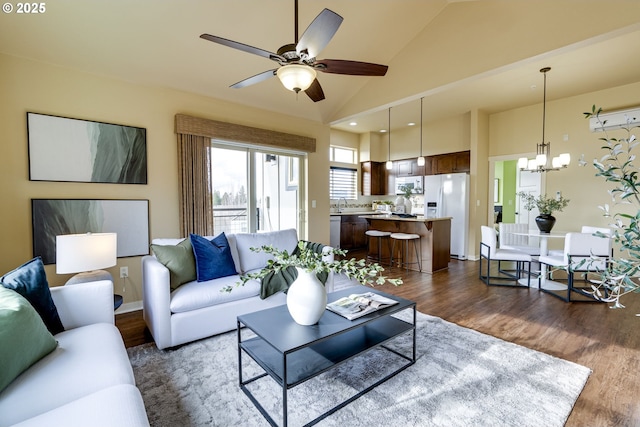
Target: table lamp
x,y
86,254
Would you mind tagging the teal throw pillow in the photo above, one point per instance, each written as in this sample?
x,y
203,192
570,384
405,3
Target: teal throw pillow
x,y
24,338
30,281
179,260
213,257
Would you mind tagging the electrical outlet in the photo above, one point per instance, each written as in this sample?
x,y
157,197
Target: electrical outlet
x,y
124,272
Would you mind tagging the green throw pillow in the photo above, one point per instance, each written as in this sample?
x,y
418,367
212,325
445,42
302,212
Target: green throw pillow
x,y
179,260
24,338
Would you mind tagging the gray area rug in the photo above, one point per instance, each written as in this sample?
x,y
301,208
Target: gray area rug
x,y
461,378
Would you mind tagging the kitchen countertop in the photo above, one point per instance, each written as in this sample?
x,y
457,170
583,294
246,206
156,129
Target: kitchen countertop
x,y
370,213
397,218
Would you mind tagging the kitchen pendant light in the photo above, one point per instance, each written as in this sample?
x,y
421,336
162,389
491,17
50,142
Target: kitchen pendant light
x,y
421,160
543,162
389,162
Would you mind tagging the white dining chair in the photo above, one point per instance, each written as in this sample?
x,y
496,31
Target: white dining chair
x,y
490,252
508,238
583,253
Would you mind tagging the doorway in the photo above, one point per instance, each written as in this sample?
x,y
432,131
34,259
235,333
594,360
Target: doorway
x,y
506,181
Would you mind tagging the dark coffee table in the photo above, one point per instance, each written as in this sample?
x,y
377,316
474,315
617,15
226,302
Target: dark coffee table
x,y
292,354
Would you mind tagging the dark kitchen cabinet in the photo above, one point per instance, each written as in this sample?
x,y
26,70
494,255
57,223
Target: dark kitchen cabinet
x,y
372,179
352,229
451,162
409,167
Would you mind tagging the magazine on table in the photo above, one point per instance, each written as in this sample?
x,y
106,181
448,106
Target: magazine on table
x,y
358,305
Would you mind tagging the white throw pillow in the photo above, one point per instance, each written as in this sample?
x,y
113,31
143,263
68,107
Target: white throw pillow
x,y
249,260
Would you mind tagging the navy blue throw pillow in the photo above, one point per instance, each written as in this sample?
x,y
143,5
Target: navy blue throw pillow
x,y
213,257
30,281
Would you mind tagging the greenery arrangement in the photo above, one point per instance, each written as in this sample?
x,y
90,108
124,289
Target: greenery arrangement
x,y
617,167
307,258
545,205
407,190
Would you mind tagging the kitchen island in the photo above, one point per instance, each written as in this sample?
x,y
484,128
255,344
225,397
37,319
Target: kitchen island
x,y
435,238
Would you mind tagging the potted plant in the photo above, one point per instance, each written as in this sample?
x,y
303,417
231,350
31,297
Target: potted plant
x,y
407,192
617,167
546,207
301,274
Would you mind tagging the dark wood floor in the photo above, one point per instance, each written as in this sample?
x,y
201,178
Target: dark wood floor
x,y
591,334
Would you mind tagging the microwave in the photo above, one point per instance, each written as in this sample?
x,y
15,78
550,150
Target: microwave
x,y
415,182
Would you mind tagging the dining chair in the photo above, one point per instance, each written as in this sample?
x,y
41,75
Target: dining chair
x,y
583,253
518,242
490,252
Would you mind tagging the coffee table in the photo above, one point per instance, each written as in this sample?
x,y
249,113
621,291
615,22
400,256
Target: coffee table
x,y
291,354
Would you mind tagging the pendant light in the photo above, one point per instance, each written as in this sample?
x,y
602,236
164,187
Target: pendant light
x,y
421,160
389,162
543,161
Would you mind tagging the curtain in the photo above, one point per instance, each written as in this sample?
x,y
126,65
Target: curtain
x,y
196,205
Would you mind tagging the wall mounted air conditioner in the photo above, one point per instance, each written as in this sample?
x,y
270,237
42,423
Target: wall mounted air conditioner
x,y
615,120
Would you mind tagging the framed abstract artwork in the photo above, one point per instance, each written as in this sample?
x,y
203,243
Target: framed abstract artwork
x,y
129,219
74,150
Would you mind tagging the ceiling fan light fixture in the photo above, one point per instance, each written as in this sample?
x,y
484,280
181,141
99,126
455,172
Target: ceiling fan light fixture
x,y
296,77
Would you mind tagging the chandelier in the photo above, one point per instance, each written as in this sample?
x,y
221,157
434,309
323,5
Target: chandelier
x,y
543,162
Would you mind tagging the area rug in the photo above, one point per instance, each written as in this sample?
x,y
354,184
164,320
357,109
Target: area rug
x,y
461,378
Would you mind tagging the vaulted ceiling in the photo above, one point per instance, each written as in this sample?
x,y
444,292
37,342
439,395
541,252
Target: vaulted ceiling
x,y
459,55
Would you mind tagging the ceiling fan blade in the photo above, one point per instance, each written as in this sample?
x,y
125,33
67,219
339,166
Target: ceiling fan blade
x,y
319,33
243,47
315,91
254,79
352,68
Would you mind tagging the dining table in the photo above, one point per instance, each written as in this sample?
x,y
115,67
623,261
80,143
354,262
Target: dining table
x,y
544,282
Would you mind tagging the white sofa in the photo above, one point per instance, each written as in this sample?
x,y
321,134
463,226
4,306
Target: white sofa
x,y
87,380
197,310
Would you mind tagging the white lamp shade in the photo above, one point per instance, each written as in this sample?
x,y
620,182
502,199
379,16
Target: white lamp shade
x,y
565,159
421,161
555,163
389,165
541,159
296,77
523,162
77,253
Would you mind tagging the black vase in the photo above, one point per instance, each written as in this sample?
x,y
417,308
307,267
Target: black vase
x,y
545,222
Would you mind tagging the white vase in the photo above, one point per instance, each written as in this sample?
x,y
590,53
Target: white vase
x,y
306,298
408,206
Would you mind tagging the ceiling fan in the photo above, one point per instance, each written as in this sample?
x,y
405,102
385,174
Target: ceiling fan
x,y
298,63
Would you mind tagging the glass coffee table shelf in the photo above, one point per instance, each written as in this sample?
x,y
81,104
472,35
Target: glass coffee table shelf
x,y
291,354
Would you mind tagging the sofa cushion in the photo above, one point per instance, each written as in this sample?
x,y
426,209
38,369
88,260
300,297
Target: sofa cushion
x,y
196,295
24,338
249,260
120,405
213,257
179,260
30,281
87,359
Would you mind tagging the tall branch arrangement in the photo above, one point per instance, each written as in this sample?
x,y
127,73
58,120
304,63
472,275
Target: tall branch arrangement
x,y
617,167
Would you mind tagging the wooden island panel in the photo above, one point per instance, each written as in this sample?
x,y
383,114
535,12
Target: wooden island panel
x,y
435,239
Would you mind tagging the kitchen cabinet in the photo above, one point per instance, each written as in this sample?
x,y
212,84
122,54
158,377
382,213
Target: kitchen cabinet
x,y
451,162
372,179
352,229
409,167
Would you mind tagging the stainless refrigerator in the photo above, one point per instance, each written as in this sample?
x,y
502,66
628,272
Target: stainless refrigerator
x,y
448,196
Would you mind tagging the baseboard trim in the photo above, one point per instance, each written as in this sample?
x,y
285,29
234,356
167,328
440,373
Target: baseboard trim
x,y
128,307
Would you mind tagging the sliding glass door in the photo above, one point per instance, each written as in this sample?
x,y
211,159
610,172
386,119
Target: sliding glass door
x,y
254,190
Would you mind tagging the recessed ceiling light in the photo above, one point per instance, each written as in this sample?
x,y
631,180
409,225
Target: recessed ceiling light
x,y
383,130
353,124
411,124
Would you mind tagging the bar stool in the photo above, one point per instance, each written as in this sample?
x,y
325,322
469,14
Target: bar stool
x,y
404,254
379,235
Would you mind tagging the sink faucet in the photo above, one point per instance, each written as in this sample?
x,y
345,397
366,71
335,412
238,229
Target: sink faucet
x,y
345,204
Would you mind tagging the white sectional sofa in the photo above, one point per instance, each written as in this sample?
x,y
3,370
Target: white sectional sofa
x,y
87,380
197,310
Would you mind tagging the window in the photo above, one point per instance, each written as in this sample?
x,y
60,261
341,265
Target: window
x,y
254,190
343,155
343,183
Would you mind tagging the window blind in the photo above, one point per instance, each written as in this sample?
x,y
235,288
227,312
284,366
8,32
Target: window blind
x,y
343,182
